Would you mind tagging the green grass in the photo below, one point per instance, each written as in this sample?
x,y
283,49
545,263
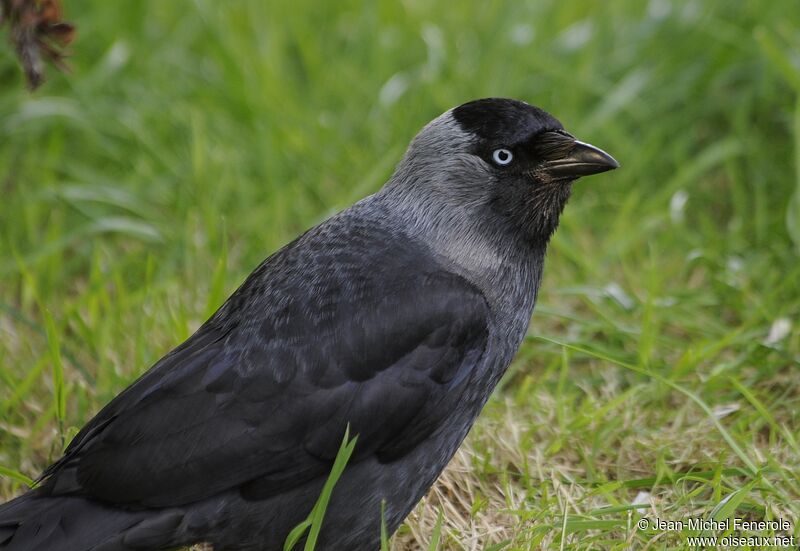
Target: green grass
x,y
194,138
311,526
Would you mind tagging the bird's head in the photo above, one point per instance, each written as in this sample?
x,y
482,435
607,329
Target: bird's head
x,y
504,157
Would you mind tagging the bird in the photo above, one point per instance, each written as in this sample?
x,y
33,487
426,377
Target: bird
x,y
393,319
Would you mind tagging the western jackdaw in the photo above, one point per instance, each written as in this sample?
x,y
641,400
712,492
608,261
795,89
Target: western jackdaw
x,y
397,316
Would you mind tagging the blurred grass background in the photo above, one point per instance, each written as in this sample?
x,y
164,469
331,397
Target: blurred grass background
x,y
194,138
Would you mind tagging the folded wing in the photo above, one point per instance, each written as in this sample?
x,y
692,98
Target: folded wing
x,y
261,401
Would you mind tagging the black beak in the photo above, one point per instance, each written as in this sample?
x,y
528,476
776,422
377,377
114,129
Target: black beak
x,y
582,159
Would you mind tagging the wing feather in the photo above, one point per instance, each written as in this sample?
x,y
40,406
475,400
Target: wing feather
x,y
260,396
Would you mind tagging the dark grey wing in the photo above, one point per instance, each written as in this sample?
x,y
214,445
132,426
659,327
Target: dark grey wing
x,y
262,403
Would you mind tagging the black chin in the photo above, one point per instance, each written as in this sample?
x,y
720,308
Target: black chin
x,y
533,207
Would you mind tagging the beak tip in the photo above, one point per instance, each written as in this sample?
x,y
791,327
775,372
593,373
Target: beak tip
x,y
596,156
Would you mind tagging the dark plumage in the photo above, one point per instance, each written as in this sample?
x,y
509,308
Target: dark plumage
x,y
397,316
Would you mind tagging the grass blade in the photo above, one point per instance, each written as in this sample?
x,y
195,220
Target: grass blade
x,y
313,524
16,475
59,390
437,532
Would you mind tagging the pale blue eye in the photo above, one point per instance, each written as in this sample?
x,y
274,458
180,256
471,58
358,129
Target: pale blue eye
x,y
502,156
